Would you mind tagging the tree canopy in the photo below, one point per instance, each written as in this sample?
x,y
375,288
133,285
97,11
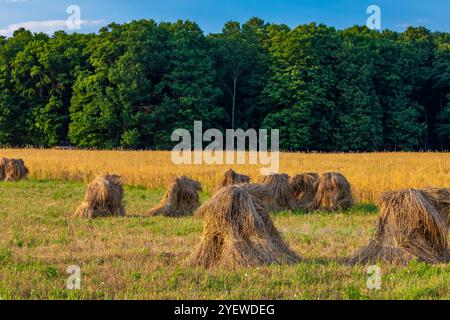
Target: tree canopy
x,y
131,85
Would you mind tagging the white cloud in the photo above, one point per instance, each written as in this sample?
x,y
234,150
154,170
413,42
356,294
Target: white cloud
x,y
49,26
423,20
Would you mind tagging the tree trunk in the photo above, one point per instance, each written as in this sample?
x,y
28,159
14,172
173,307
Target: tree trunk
x,y
235,76
426,129
233,105
442,122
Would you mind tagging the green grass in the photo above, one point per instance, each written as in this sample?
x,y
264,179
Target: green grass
x,y
142,258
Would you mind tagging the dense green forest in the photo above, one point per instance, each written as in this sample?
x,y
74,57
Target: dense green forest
x,y
131,85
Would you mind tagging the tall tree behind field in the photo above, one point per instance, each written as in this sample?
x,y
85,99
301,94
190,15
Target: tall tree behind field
x,y
358,125
188,91
242,69
38,74
441,88
112,100
44,74
415,63
301,86
14,112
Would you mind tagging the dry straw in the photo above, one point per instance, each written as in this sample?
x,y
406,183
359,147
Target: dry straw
x,y
412,224
262,194
304,187
103,198
238,231
333,193
3,163
181,199
12,169
280,195
231,177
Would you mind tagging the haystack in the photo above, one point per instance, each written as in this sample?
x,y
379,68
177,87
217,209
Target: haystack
x,y
238,231
304,187
412,224
103,198
333,193
281,194
13,169
231,177
262,194
3,163
181,199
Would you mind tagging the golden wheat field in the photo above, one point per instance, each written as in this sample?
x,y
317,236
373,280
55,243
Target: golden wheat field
x,y
369,173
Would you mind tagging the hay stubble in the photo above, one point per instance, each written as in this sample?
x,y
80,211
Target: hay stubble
x,y
136,257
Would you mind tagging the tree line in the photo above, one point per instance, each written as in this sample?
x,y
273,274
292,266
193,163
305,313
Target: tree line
x,y
130,85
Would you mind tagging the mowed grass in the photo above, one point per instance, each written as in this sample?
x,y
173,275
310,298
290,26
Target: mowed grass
x,y
140,257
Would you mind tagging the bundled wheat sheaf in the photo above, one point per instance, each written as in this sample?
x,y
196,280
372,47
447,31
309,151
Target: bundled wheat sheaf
x,y
276,192
238,231
181,199
304,187
12,169
103,198
333,193
231,177
262,194
412,224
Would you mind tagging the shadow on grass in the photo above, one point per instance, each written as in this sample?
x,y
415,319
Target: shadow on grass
x,y
360,208
363,208
328,260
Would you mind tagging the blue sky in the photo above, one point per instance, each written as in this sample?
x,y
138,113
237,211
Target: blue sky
x,y
49,15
